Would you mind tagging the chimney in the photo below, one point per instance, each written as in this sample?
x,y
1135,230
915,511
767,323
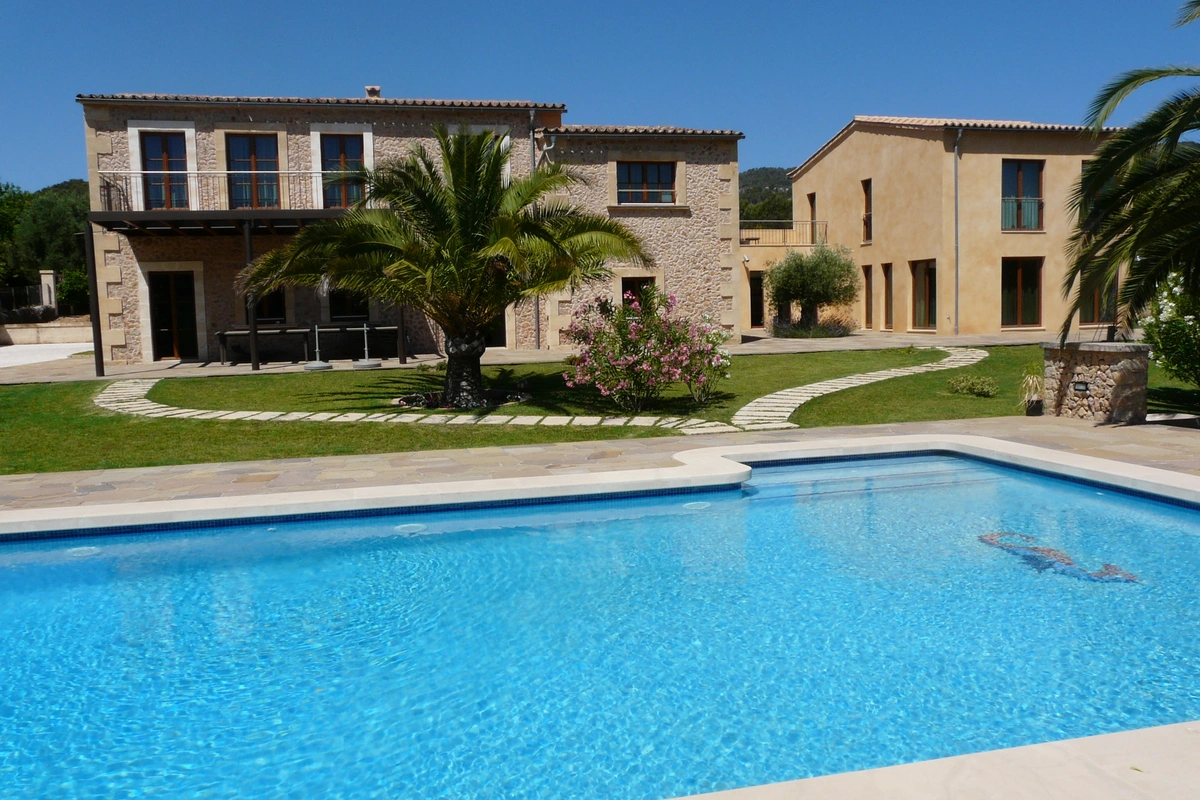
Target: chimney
x,y
373,93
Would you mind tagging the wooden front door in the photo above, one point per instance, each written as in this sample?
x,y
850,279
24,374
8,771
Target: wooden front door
x,y
173,315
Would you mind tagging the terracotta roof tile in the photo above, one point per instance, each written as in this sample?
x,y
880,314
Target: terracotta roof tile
x,y
317,101
974,124
638,130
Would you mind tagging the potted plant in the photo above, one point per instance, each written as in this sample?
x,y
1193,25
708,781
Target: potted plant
x,y
1033,384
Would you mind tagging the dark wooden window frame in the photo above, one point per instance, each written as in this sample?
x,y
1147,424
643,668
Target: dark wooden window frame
x,y
1019,264
868,207
929,264
257,177
1020,195
342,187
868,297
629,193
164,171
889,318
1100,312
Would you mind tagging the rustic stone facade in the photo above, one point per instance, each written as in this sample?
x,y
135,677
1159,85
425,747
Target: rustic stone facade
x,y
694,244
1102,381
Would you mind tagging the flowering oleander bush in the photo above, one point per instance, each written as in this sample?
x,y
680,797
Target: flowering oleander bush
x,y
633,350
1172,331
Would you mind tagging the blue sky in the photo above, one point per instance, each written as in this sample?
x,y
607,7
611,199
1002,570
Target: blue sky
x,y
788,74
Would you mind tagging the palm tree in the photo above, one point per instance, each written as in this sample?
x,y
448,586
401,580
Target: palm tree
x,y
456,239
1138,204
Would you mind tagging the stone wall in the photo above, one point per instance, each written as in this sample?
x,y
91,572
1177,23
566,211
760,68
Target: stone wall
x,y
1100,381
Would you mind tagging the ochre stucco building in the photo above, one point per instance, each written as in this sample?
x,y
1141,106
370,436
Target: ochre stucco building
x,y
185,189
921,201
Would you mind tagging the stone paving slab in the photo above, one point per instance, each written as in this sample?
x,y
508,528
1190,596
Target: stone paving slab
x,y
1152,445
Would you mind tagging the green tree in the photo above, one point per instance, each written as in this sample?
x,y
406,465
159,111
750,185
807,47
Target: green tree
x,y
1138,204
45,236
450,235
823,277
12,202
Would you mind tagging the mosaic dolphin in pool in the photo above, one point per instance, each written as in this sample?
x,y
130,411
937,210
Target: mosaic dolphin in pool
x,y
1047,558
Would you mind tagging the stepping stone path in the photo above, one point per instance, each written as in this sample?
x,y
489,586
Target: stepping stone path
x,y
772,411
129,397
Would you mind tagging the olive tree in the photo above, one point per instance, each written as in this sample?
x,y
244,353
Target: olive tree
x,y
815,279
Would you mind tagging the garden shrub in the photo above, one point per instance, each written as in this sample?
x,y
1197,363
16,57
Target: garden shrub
x,y
634,350
832,326
976,385
1171,331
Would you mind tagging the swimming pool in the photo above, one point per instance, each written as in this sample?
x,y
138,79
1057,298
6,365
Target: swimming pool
x,y
827,617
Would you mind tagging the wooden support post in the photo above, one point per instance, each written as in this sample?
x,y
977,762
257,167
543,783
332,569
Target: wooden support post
x,y
89,251
251,300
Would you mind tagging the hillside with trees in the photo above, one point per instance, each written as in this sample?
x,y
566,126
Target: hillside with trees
x,y
38,231
765,193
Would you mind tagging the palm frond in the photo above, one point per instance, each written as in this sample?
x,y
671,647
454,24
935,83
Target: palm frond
x,y
1124,85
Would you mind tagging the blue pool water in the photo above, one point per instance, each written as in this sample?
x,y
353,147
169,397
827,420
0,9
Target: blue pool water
x,y
829,617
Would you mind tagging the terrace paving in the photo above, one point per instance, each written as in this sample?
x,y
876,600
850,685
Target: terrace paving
x,y
1150,445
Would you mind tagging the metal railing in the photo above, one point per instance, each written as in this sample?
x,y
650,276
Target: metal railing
x,y
21,297
767,232
222,191
1021,213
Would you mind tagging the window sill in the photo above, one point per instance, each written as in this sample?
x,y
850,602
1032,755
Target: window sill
x,y
1022,230
1016,328
1096,325
922,330
867,243
648,207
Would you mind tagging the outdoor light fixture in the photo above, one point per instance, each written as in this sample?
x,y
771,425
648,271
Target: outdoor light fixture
x,y
1080,386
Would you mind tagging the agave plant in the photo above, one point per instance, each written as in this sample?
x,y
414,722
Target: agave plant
x,y
1138,204
457,239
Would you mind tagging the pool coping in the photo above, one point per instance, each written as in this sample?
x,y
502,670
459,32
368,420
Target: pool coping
x,y
698,469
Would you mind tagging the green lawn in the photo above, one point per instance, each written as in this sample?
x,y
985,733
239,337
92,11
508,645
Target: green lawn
x,y
345,391
55,427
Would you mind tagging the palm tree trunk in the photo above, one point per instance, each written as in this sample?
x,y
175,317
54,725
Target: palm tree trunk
x,y
464,380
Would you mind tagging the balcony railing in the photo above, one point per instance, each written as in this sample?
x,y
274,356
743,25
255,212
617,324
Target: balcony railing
x,y
1021,213
222,191
768,232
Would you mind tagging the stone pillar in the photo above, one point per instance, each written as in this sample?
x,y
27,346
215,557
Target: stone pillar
x,y
1101,381
49,287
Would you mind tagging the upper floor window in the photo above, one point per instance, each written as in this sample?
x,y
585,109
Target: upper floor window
x,y
645,182
1021,205
253,170
867,203
341,152
164,162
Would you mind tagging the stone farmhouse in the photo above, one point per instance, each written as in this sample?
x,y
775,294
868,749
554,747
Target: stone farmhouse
x,y
186,190
959,226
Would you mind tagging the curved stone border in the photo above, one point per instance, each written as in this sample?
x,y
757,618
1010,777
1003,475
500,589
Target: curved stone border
x,y
129,397
773,410
703,468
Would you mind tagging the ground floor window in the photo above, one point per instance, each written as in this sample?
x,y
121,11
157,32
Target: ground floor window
x,y
348,306
1100,309
757,300
868,295
1021,292
271,308
924,287
634,286
888,314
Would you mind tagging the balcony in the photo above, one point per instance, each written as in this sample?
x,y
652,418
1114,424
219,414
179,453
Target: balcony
x,y
1021,213
138,203
782,233
221,191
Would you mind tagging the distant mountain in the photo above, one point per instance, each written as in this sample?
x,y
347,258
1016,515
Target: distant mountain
x,y
758,184
765,193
